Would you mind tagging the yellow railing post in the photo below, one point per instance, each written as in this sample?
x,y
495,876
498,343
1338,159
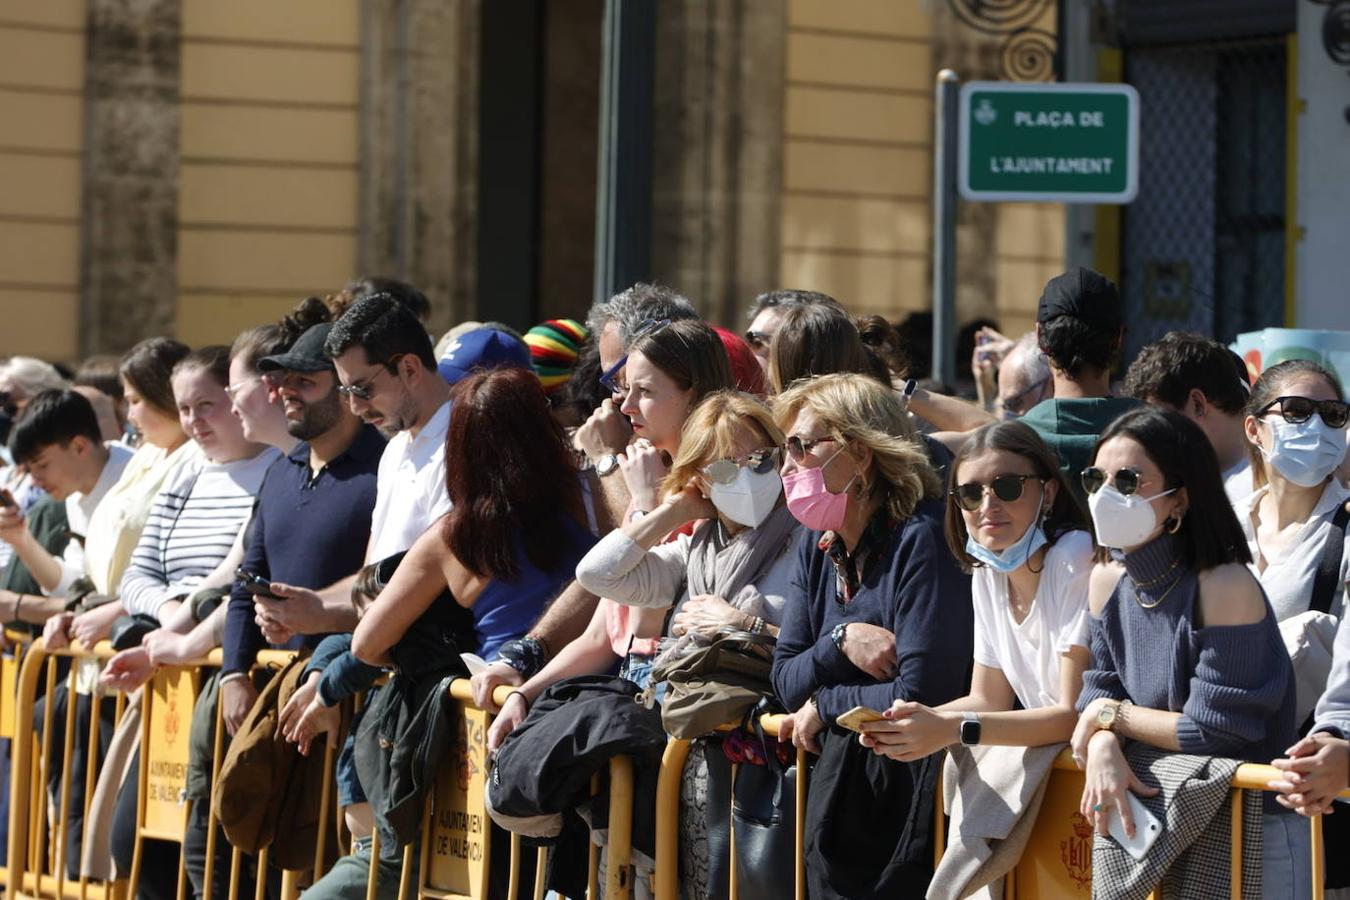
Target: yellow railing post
x,y
667,875
21,767
619,874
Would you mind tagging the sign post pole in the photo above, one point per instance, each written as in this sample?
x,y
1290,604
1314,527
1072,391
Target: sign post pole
x,y
946,129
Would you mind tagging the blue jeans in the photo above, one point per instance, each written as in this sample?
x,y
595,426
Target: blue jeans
x,y
1286,858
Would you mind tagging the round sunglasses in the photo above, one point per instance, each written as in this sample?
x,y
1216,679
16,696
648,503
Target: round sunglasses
x,y
1007,488
1297,410
724,471
1126,481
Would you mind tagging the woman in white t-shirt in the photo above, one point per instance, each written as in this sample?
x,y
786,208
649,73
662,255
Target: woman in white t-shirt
x,y
1012,518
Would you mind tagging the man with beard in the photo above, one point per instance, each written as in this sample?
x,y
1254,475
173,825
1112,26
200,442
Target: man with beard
x,y
388,374
313,509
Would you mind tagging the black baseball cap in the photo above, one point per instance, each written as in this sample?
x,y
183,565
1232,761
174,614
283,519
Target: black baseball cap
x,y
305,355
1083,294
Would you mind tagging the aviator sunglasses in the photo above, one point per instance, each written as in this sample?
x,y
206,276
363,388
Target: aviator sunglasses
x,y
1007,488
1297,410
723,471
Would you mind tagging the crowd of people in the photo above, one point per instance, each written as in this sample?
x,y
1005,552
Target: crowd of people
x,y
644,524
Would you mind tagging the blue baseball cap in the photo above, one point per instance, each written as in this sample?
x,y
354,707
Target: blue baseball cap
x,y
482,348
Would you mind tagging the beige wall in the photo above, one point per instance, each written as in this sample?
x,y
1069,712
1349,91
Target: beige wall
x,y
268,189
41,81
857,183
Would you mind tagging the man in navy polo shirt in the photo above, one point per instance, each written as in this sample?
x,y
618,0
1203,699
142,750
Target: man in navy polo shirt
x,y
312,519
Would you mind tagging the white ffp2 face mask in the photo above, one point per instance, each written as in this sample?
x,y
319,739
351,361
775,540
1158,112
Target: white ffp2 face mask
x,y
749,498
1121,520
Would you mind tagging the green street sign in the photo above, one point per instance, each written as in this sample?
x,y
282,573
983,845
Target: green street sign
x,y
1061,143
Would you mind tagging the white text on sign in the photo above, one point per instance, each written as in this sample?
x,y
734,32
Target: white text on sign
x,y
1088,118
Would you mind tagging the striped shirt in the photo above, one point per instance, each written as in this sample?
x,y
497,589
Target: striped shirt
x,y
191,528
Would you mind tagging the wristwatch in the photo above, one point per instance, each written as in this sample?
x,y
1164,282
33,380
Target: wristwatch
x,y
606,464
837,635
970,729
636,515
1108,715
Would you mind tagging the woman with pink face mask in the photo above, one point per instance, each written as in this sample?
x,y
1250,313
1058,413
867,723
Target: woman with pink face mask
x,y
880,612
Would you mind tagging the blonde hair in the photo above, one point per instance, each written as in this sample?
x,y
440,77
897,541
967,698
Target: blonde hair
x,y
710,434
859,408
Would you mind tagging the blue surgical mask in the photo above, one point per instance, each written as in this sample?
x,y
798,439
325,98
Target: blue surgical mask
x,y
1015,555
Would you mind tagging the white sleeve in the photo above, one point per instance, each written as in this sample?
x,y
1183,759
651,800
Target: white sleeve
x,y
72,568
618,568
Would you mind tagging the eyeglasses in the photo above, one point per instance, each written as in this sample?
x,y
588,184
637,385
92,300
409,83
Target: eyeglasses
x,y
1127,480
1007,488
232,390
797,447
758,340
361,389
1017,405
608,380
724,471
1297,410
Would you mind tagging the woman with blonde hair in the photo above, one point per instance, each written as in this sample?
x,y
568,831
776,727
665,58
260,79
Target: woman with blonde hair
x,y
881,613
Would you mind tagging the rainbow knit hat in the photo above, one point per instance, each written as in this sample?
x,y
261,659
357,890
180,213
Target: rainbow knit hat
x,y
554,346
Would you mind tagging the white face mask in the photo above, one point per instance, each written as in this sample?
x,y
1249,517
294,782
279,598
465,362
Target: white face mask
x,y
1305,454
1123,521
749,498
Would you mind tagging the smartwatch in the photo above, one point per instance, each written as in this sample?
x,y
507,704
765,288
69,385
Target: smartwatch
x,y
607,464
970,729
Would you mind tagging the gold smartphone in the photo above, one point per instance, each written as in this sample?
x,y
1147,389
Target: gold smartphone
x,y
853,719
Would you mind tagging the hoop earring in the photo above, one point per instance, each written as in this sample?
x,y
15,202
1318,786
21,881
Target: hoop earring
x,y
1175,525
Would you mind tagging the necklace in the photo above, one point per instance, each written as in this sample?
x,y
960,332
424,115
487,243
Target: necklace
x,y
1140,600
1152,581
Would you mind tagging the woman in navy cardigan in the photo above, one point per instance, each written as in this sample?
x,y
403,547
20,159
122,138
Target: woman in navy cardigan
x,y
879,612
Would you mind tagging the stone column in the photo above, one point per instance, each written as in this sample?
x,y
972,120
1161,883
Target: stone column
x,y
128,266
419,149
718,151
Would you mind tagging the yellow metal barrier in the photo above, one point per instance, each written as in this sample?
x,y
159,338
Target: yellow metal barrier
x,y
455,851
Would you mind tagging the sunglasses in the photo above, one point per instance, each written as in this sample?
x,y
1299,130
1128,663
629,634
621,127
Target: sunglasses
x,y
1017,405
1127,480
361,389
1297,410
797,448
609,378
1007,488
724,471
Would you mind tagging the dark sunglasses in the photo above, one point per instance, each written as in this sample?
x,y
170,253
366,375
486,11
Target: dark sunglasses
x,y
1297,410
361,389
609,378
723,471
1007,488
798,448
1126,480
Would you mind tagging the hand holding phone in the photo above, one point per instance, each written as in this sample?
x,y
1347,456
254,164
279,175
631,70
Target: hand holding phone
x,y
1147,828
854,719
256,585
7,499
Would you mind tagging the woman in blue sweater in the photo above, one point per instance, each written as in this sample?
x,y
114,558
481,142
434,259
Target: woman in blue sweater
x,y
1186,654
878,612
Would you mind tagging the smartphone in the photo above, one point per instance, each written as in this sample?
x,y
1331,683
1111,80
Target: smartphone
x,y
256,585
853,719
1146,827
7,499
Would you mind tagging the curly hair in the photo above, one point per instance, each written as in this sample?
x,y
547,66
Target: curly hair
x,y
859,408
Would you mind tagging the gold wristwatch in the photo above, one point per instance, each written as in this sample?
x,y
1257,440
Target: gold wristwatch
x,y
1107,715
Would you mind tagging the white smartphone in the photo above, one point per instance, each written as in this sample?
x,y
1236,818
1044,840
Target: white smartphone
x,y
1146,827
474,662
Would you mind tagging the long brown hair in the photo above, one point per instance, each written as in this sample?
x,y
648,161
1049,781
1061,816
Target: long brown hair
x,y
1065,514
819,340
510,475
